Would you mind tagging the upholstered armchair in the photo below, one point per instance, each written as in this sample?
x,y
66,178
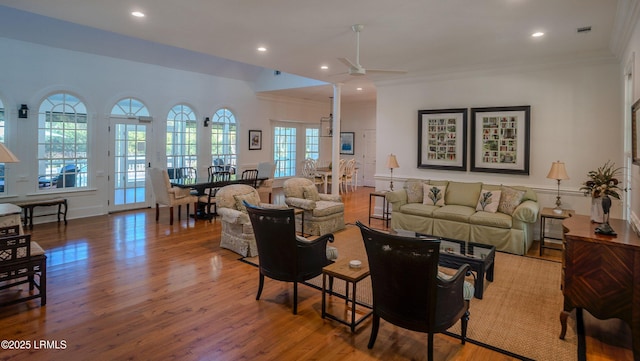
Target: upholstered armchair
x,y
285,256
169,196
408,291
237,232
323,213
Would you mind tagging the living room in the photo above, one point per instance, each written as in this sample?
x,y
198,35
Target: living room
x,y
580,110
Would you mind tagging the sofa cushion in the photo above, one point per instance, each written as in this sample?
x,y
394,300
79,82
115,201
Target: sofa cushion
x,y
327,208
489,201
434,195
414,190
454,213
510,199
418,209
463,194
251,198
499,220
311,192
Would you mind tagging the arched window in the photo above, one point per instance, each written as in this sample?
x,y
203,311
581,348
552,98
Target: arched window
x,y
223,139
2,140
181,137
62,142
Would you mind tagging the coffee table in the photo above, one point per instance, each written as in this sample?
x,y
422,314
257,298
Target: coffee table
x,y
454,253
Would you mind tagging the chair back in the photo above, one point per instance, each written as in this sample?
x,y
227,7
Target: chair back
x,y
220,177
227,196
294,187
342,166
266,170
275,234
309,168
350,167
160,184
250,175
14,248
404,274
67,176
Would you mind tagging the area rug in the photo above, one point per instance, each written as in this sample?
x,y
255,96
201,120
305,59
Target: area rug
x,y
519,312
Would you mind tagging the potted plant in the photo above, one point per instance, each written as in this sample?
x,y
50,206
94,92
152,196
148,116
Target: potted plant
x,y
603,182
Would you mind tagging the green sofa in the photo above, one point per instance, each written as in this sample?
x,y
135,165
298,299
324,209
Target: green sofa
x,y
507,225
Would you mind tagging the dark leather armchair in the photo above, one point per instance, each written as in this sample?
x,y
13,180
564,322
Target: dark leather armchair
x,y
407,290
283,256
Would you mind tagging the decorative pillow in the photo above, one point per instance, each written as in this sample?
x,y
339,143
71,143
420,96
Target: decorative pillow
x,y
434,195
414,192
509,200
310,192
489,201
251,198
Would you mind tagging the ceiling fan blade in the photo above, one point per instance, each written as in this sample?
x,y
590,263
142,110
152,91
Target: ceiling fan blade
x,y
347,62
388,71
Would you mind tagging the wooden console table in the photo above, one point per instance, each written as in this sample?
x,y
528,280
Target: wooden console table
x,y
602,274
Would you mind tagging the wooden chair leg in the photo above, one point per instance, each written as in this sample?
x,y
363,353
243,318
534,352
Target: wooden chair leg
x,y
375,324
463,326
171,215
260,285
295,297
157,212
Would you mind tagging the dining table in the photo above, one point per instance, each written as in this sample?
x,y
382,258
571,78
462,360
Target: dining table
x,y
200,185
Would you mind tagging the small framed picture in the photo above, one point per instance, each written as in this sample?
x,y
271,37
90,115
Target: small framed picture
x,y
346,142
255,139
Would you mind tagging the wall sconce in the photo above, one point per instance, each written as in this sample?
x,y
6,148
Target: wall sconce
x,y
206,122
23,112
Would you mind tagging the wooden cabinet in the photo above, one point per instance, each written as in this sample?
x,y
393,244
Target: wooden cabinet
x,y
601,274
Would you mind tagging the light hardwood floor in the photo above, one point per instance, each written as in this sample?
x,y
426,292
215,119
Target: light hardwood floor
x,y
122,286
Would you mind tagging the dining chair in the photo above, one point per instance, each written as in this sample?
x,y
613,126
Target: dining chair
x,y
167,195
251,175
208,199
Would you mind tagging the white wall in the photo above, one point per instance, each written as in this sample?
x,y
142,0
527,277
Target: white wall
x,y
576,117
30,72
632,57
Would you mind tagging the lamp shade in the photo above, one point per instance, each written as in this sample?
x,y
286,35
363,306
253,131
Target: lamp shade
x,y
6,156
558,171
392,162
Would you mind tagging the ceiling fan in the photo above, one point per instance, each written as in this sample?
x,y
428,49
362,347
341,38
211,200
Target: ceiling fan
x,y
355,68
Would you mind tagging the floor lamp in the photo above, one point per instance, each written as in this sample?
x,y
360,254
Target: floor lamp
x,y
558,172
392,163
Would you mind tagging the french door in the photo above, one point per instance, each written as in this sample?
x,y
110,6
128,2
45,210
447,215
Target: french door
x,y
129,161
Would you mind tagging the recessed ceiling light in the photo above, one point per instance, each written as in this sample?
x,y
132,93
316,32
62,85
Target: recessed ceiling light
x,y
359,89
262,49
537,34
324,67
138,14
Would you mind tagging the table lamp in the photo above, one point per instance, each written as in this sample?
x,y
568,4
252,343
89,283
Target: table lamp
x,y
392,162
558,172
6,156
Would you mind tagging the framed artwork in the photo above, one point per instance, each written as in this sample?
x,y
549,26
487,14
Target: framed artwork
x,y
255,139
635,128
346,142
500,139
442,139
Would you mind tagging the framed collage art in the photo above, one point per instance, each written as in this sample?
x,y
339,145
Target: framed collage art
x,y
500,139
442,139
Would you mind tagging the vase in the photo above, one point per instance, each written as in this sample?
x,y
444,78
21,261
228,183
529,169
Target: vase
x,y
597,214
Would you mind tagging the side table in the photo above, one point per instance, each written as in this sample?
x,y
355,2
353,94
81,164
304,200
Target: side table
x,y
300,211
341,270
386,214
549,213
